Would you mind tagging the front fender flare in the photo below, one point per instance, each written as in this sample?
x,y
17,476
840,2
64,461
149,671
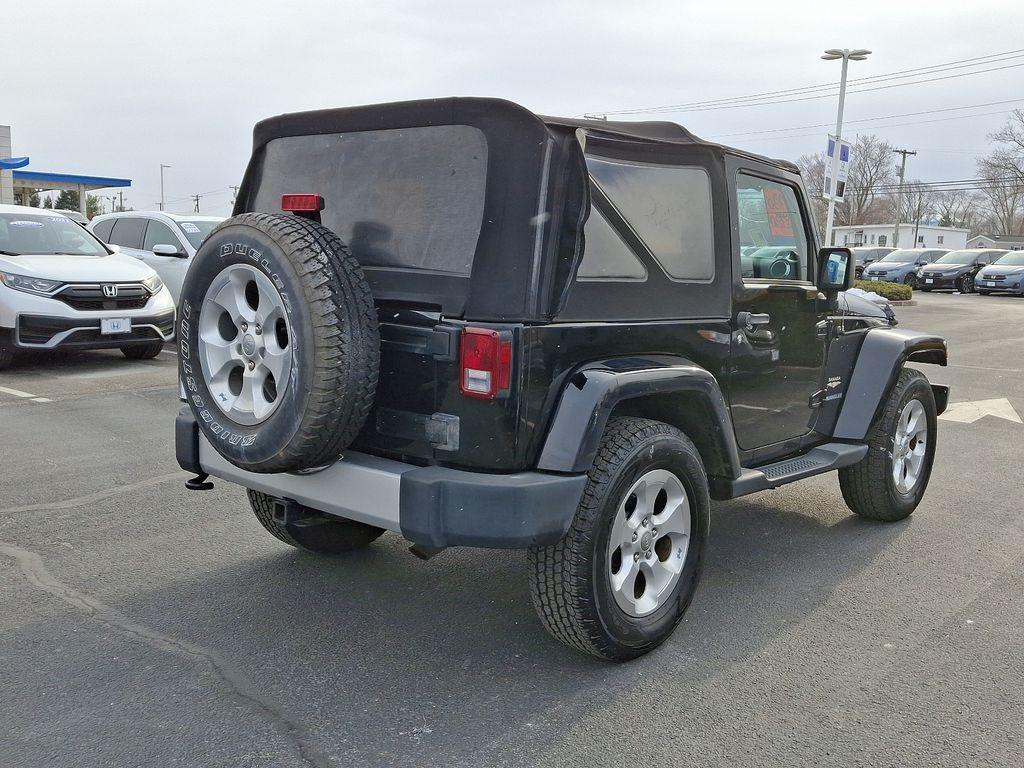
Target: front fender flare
x,y
879,362
593,391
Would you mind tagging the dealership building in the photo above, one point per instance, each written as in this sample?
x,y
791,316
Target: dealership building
x,y
911,236
18,182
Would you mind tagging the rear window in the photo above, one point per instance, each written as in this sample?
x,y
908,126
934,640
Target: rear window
x,y
402,199
669,208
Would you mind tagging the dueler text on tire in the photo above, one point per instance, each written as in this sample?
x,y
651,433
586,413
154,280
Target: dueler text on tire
x,y
890,481
620,580
278,342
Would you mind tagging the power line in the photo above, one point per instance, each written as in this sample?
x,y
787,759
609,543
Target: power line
x,y
880,117
771,97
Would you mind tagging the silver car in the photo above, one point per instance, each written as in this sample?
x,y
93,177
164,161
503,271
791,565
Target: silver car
x,y
901,265
1004,275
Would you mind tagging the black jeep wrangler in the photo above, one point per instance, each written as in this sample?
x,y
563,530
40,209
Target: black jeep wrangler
x,y
475,326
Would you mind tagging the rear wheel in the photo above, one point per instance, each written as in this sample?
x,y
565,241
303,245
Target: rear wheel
x,y
621,578
143,351
890,481
317,532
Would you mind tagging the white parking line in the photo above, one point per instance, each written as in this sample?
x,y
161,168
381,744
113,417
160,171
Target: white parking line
x,y
27,395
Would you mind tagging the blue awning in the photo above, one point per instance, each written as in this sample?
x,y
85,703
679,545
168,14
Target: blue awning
x,y
41,179
10,163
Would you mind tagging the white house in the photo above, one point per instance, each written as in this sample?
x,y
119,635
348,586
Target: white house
x,y
882,235
1010,242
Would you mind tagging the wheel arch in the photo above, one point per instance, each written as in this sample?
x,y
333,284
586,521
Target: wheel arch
x,y
882,356
665,388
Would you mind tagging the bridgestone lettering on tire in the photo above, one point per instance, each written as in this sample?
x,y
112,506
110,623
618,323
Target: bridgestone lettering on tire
x,y
278,340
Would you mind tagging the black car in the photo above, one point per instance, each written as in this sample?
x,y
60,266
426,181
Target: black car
x,y
474,326
956,270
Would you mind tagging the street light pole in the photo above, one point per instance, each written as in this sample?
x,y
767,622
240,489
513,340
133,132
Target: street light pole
x,y
846,55
162,166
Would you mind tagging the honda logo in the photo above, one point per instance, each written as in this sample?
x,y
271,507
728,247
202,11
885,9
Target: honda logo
x,y
110,290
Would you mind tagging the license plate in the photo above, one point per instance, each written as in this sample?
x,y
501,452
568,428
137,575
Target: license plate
x,y
929,281
990,284
874,279
111,325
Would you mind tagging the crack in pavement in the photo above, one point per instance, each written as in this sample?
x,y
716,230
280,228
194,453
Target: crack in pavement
x,y
35,572
79,501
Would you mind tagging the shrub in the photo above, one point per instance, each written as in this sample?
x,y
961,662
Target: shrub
x,y
890,291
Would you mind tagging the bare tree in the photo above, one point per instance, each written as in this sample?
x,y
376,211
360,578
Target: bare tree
x,y
1009,157
871,167
1002,193
812,169
956,208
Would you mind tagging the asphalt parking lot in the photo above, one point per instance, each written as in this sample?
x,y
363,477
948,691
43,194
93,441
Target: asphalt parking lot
x,y
143,625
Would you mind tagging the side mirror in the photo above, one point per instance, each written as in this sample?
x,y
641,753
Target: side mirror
x,y
835,270
113,248
162,249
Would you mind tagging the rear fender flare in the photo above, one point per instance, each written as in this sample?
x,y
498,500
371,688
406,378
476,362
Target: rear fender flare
x,y
879,362
592,393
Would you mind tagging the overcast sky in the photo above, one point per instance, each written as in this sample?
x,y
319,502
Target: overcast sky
x,y
116,88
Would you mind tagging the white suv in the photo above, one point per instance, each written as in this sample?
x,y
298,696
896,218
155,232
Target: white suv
x,y
61,287
165,241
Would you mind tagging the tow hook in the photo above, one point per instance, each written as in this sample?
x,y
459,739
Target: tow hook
x,y
199,482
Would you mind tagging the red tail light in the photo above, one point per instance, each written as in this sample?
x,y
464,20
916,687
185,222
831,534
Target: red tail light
x,y
485,363
302,203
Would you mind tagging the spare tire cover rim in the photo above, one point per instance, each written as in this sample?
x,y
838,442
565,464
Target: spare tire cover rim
x,y
245,344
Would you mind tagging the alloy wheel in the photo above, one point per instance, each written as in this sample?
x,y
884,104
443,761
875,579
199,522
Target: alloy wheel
x,y
649,542
909,446
245,345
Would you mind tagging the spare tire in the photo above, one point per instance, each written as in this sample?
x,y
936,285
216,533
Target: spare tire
x,y
279,346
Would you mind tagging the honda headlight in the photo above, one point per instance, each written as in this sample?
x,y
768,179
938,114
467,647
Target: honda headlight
x,y
153,284
37,285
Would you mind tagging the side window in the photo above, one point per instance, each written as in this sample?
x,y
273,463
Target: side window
x,y
606,256
773,238
669,208
158,233
882,239
102,230
127,232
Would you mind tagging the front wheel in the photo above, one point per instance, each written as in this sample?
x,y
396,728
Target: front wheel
x,y
911,280
966,284
619,581
889,482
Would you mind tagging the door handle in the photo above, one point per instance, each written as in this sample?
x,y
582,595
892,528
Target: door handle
x,y
749,320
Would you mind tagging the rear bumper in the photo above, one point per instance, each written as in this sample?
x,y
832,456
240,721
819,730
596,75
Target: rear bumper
x,y
430,506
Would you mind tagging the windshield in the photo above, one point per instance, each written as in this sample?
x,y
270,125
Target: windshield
x,y
197,231
900,257
958,257
1011,259
31,233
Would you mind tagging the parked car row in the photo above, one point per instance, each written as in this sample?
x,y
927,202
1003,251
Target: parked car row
x,y
986,270
60,286
111,283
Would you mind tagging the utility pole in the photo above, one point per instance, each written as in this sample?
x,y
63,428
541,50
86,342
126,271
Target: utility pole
x,y
196,198
162,166
120,201
846,55
899,194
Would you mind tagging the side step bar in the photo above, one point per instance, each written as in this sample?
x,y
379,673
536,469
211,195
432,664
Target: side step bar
x,y
824,458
